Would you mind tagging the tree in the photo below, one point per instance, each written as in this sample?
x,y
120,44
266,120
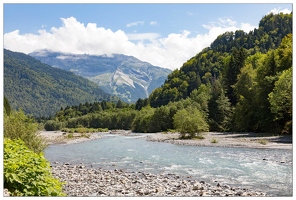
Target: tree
x,y
281,100
191,121
143,120
141,103
202,97
104,105
119,104
233,68
161,119
7,108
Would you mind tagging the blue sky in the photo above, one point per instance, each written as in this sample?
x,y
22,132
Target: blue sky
x,y
166,35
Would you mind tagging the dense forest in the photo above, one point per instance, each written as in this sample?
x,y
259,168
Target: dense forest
x,y
242,82
41,90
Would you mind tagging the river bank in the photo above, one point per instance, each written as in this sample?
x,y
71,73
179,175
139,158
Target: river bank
x,y
113,179
216,139
86,181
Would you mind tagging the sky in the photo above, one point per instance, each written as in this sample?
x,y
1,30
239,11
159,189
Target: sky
x,y
163,34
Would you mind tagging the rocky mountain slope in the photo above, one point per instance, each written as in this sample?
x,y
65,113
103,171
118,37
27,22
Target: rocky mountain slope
x,y
124,76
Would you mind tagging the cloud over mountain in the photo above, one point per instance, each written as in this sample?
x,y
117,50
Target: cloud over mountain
x,y
169,51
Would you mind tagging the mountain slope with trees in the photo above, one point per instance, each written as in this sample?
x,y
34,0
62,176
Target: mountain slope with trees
x,y
263,54
41,90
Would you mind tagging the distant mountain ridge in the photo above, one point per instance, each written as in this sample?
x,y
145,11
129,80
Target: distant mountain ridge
x,y
41,90
124,76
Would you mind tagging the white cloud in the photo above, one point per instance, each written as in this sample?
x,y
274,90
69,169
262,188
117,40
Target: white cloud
x,y
143,36
153,23
279,10
189,13
135,23
75,37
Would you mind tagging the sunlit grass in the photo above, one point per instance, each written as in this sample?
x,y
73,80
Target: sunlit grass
x,y
263,141
214,140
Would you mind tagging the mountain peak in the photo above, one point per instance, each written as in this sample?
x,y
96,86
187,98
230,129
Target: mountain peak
x,y
125,76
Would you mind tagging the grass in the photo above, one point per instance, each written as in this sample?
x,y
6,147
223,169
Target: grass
x,y
199,137
262,141
214,140
83,130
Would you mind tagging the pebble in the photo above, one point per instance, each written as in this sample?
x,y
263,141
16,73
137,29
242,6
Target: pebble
x,y
84,181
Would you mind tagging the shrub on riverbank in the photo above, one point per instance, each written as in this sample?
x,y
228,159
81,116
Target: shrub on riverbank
x,y
17,125
84,130
27,173
52,125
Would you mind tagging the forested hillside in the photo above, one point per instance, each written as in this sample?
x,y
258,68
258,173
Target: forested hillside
x,y
240,73
233,85
41,90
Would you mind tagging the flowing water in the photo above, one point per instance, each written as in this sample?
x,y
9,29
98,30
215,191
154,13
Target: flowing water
x,y
266,170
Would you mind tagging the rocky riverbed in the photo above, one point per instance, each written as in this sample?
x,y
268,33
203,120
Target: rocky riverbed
x,y
87,181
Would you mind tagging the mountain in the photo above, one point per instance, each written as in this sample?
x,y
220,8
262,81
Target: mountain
x,y
41,90
124,76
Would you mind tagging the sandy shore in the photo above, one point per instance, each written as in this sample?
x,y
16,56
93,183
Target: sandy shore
x,y
247,140
59,137
218,139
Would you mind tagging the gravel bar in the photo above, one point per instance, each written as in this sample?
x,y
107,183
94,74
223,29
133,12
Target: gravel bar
x,y
88,181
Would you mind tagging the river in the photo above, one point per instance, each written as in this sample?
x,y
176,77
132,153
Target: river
x,y
266,170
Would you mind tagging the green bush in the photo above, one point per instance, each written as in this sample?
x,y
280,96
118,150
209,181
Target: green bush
x,y
214,140
19,126
191,121
52,125
27,173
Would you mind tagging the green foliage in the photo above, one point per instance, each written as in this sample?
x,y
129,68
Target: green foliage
x,y
7,108
19,126
214,140
281,100
143,120
264,88
232,69
52,125
27,173
263,142
141,103
190,121
161,119
84,130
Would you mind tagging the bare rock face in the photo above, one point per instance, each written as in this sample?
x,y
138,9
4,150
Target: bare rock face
x,y
124,76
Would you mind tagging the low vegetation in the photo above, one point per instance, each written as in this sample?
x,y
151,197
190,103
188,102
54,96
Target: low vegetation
x,y
263,141
26,171
84,130
214,140
17,125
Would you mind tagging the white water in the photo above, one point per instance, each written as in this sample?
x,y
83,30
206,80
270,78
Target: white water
x,y
266,170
